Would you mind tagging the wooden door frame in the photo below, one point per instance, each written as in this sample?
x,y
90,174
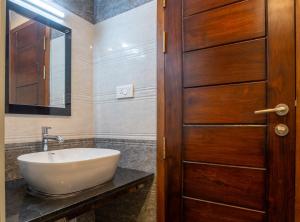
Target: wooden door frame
x,y
168,179
297,204
2,87
163,165
161,187
47,66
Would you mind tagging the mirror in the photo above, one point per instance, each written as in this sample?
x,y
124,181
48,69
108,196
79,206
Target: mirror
x,y
38,69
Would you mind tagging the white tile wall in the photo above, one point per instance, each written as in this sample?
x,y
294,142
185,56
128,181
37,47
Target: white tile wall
x,y
26,128
124,53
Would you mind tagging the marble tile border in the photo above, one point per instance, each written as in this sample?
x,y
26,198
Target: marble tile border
x,y
135,154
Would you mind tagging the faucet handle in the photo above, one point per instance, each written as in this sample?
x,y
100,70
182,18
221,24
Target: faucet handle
x,y
60,139
45,129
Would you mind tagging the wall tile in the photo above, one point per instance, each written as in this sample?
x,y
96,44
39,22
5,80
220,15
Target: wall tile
x,y
123,57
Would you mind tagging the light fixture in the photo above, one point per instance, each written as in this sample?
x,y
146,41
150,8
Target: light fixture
x,y
46,7
125,45
37,10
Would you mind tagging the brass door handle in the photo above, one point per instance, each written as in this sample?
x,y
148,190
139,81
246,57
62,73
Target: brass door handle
x,y
280,110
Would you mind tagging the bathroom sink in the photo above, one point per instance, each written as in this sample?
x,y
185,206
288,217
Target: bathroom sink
x,y
68,171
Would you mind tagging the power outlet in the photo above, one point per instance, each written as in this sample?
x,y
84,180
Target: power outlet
x,y
124,91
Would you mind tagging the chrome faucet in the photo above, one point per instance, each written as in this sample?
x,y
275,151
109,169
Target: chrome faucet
x,y
46,137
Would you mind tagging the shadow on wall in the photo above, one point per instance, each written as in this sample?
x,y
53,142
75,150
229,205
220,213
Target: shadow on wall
x,y
132,207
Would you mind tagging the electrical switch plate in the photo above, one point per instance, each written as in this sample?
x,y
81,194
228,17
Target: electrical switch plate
x,y
124,91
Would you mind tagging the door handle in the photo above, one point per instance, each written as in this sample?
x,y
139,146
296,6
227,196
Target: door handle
x,y
280,110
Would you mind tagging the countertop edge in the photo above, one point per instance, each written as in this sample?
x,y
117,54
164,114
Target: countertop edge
x,y
76,207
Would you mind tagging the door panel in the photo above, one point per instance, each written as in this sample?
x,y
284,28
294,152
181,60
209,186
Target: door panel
x,y
236,22
27,35
27,72
24,80
239,62
224,104
225,60
24,94
194,6
243,187
196,210
235,145
29,58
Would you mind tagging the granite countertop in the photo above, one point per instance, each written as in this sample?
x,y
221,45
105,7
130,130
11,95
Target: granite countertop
x,y
22,207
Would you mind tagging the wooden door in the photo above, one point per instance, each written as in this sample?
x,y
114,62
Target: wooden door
x,y
29,64
226,59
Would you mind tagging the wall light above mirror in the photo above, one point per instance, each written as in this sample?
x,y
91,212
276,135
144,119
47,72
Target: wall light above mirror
x,y
46,7
38,64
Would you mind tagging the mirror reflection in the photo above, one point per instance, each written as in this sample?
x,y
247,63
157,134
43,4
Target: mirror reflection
x,y
36,63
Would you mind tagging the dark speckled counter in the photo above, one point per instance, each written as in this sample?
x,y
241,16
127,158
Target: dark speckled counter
x,y
22,207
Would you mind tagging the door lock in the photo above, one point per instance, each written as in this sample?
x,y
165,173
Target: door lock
x,y
281,130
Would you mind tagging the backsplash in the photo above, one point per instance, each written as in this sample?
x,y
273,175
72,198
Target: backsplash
x,y
135,154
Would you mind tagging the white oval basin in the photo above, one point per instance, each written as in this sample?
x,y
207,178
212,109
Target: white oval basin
x,y
70,170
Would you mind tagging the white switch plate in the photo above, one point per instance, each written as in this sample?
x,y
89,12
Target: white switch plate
x,y
125,91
